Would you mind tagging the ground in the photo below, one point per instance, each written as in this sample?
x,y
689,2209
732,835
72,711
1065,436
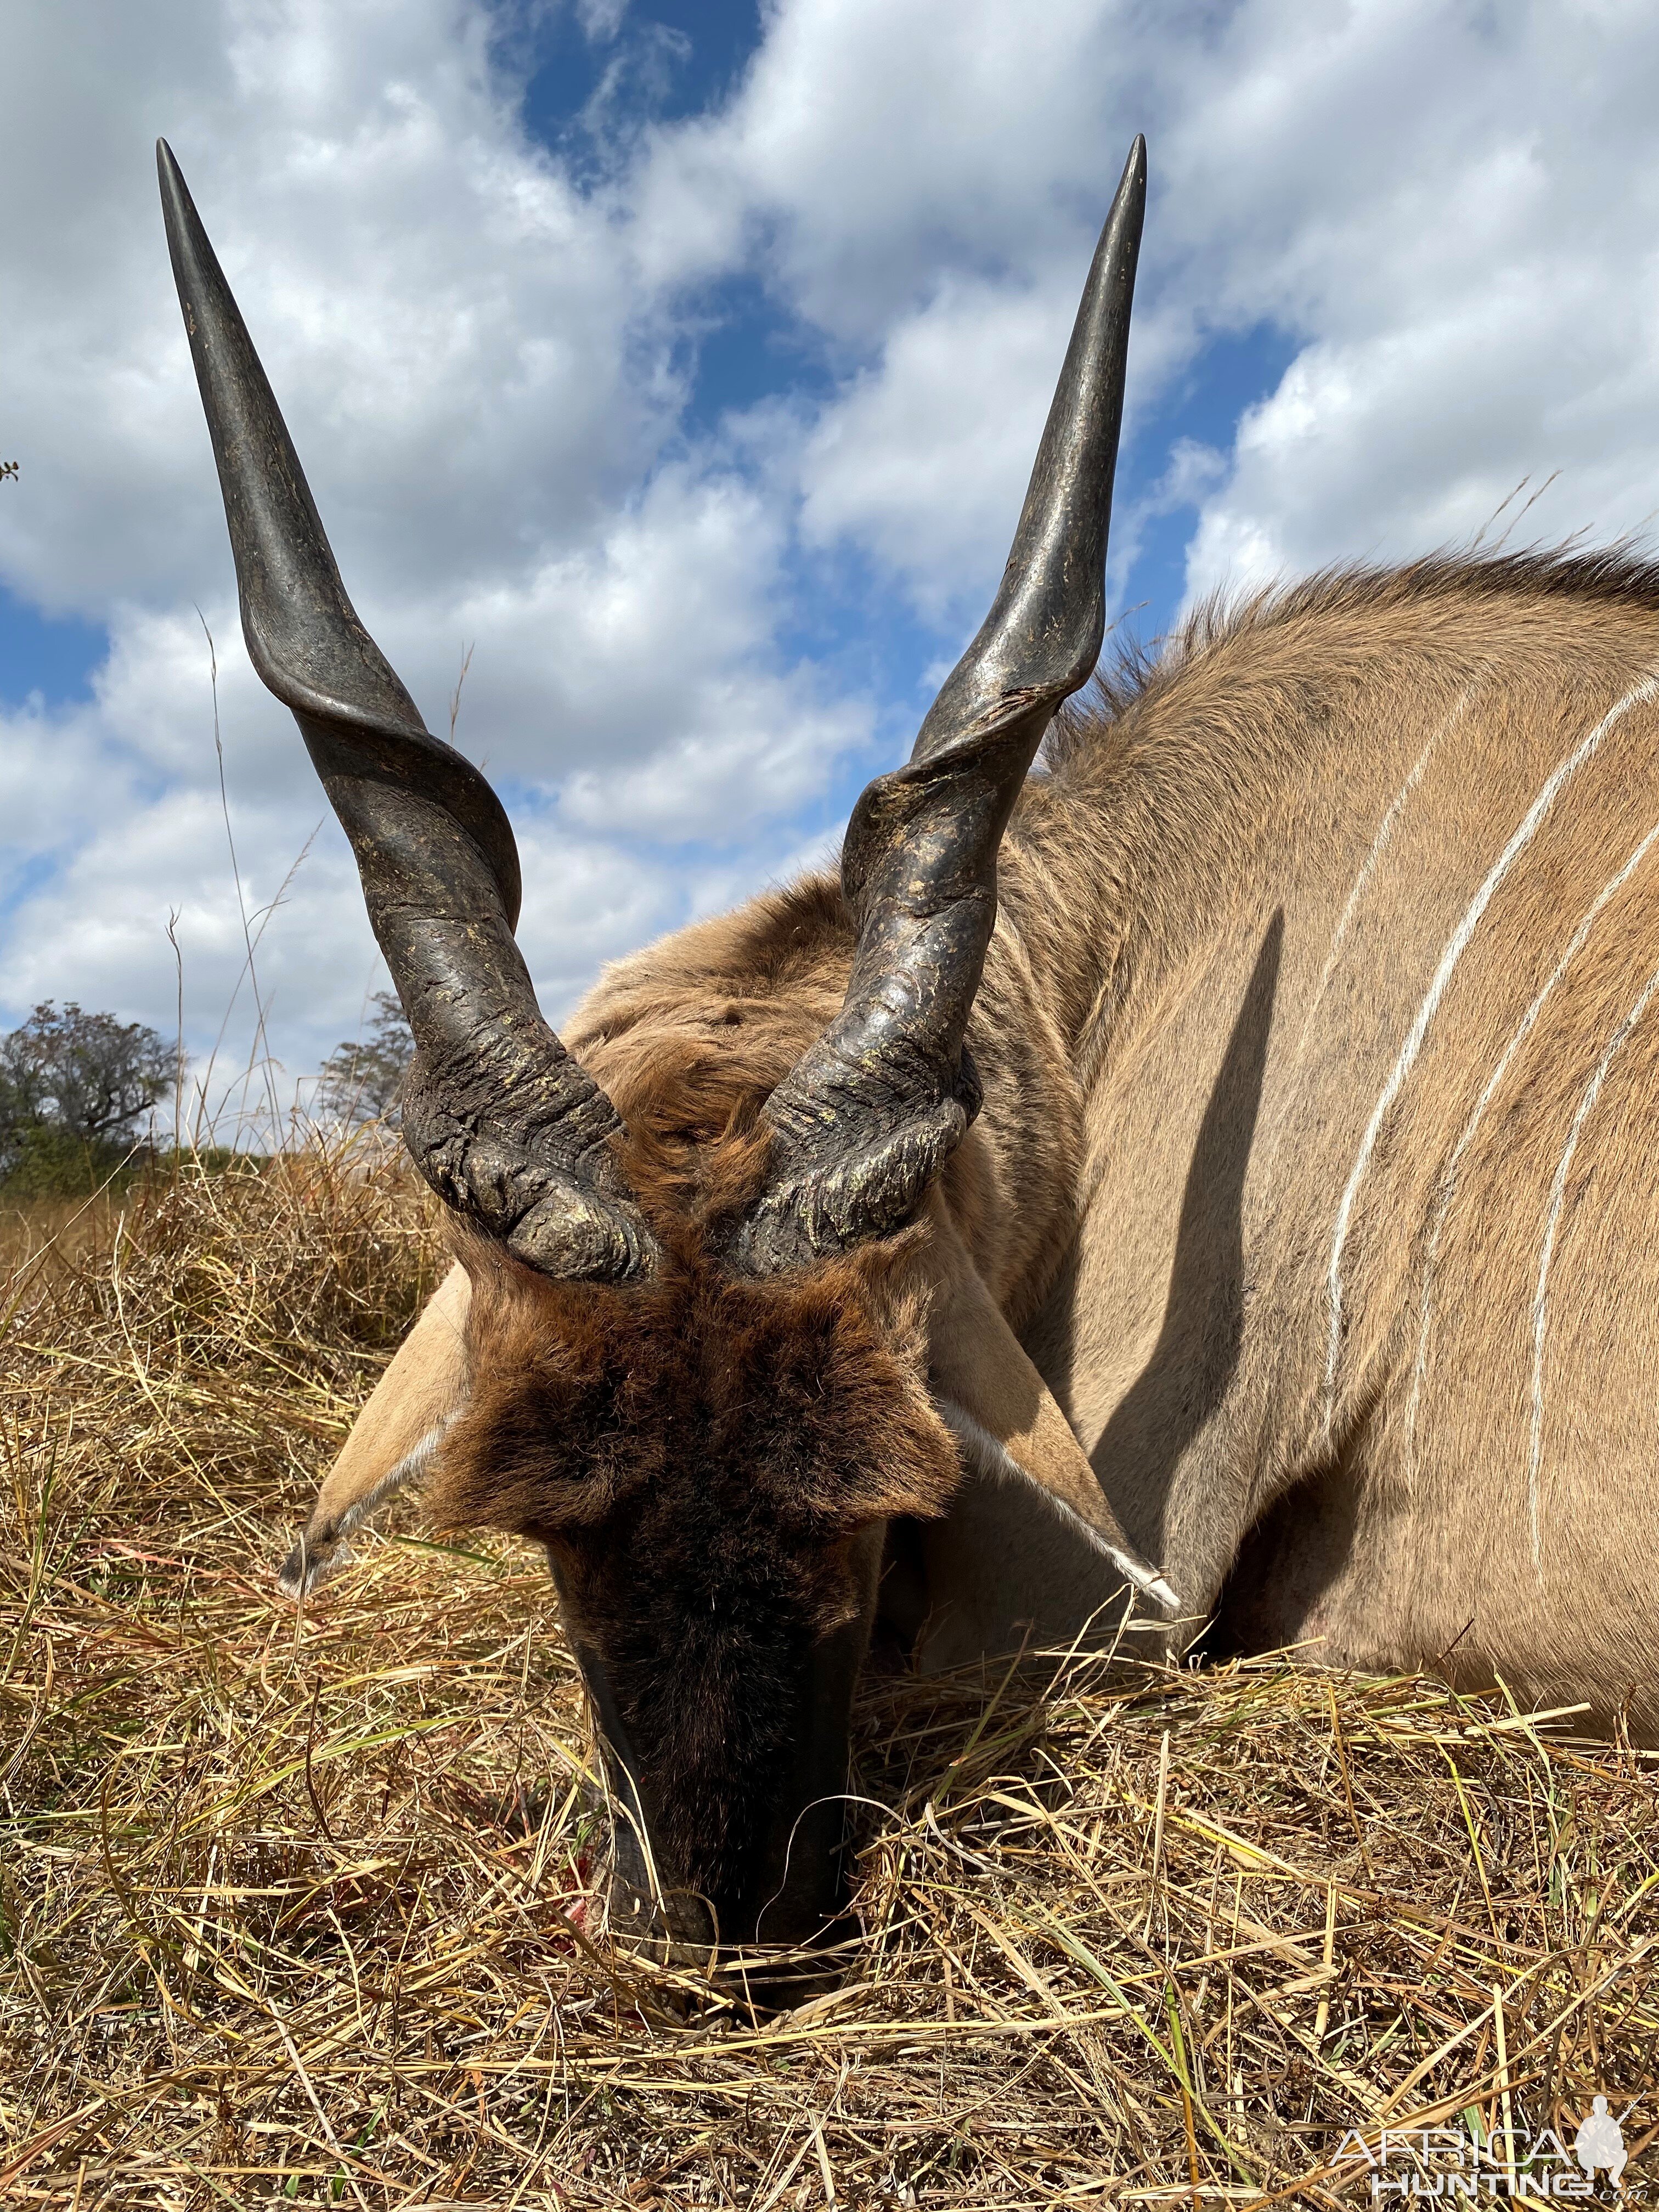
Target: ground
x,y
301,1907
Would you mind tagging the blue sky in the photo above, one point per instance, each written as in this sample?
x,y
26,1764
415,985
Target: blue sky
x,y
686,363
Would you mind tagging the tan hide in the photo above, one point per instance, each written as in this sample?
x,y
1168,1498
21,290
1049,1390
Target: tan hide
x,y
1031,1547
392,1438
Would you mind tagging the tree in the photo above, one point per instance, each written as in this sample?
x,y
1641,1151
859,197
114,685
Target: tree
x,y
72,1087
364,1081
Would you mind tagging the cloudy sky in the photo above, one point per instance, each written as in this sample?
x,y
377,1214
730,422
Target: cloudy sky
x,y
684,362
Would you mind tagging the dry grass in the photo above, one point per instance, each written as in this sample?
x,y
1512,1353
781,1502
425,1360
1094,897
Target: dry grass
x,y
301,1909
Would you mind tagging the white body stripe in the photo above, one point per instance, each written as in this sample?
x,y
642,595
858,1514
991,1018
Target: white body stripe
x,y
1448,1190
1540,1306
1646,690
1380,844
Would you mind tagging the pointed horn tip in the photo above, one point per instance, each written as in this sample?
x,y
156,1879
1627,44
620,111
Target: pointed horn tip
x,y
177,206
1134,169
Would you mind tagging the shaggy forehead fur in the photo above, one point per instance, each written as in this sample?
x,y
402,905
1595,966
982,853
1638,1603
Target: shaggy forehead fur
x,y
797,1408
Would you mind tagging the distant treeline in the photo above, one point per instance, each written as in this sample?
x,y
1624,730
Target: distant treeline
x,y
75,1089
78,1093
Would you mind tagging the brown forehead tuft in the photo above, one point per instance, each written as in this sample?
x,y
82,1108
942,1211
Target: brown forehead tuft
x,y
805,1396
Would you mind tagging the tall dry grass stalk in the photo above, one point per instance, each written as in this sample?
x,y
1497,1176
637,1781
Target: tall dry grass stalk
x,y
301,1908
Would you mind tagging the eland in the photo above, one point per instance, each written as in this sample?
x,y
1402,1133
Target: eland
x,y
1201,1186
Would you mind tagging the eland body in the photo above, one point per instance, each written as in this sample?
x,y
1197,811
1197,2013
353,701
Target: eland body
x,y
1208,1177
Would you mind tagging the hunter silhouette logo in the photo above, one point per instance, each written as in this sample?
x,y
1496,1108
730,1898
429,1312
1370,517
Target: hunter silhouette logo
x,y
1599,2141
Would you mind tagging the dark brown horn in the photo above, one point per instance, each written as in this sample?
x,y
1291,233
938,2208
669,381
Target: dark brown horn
x,y
499,1118
872,1111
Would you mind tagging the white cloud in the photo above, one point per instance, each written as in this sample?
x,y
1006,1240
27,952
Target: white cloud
x,y
478,378
1462,214
643,657
1449,210
1451,207
934,444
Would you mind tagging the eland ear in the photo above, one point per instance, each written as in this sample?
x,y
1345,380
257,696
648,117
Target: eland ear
x,y
393,1438
1011,1431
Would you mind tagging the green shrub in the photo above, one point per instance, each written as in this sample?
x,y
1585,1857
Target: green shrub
x,y
49,1161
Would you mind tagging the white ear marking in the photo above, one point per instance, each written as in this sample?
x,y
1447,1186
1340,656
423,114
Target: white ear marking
x,y
320,1553
992,1455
